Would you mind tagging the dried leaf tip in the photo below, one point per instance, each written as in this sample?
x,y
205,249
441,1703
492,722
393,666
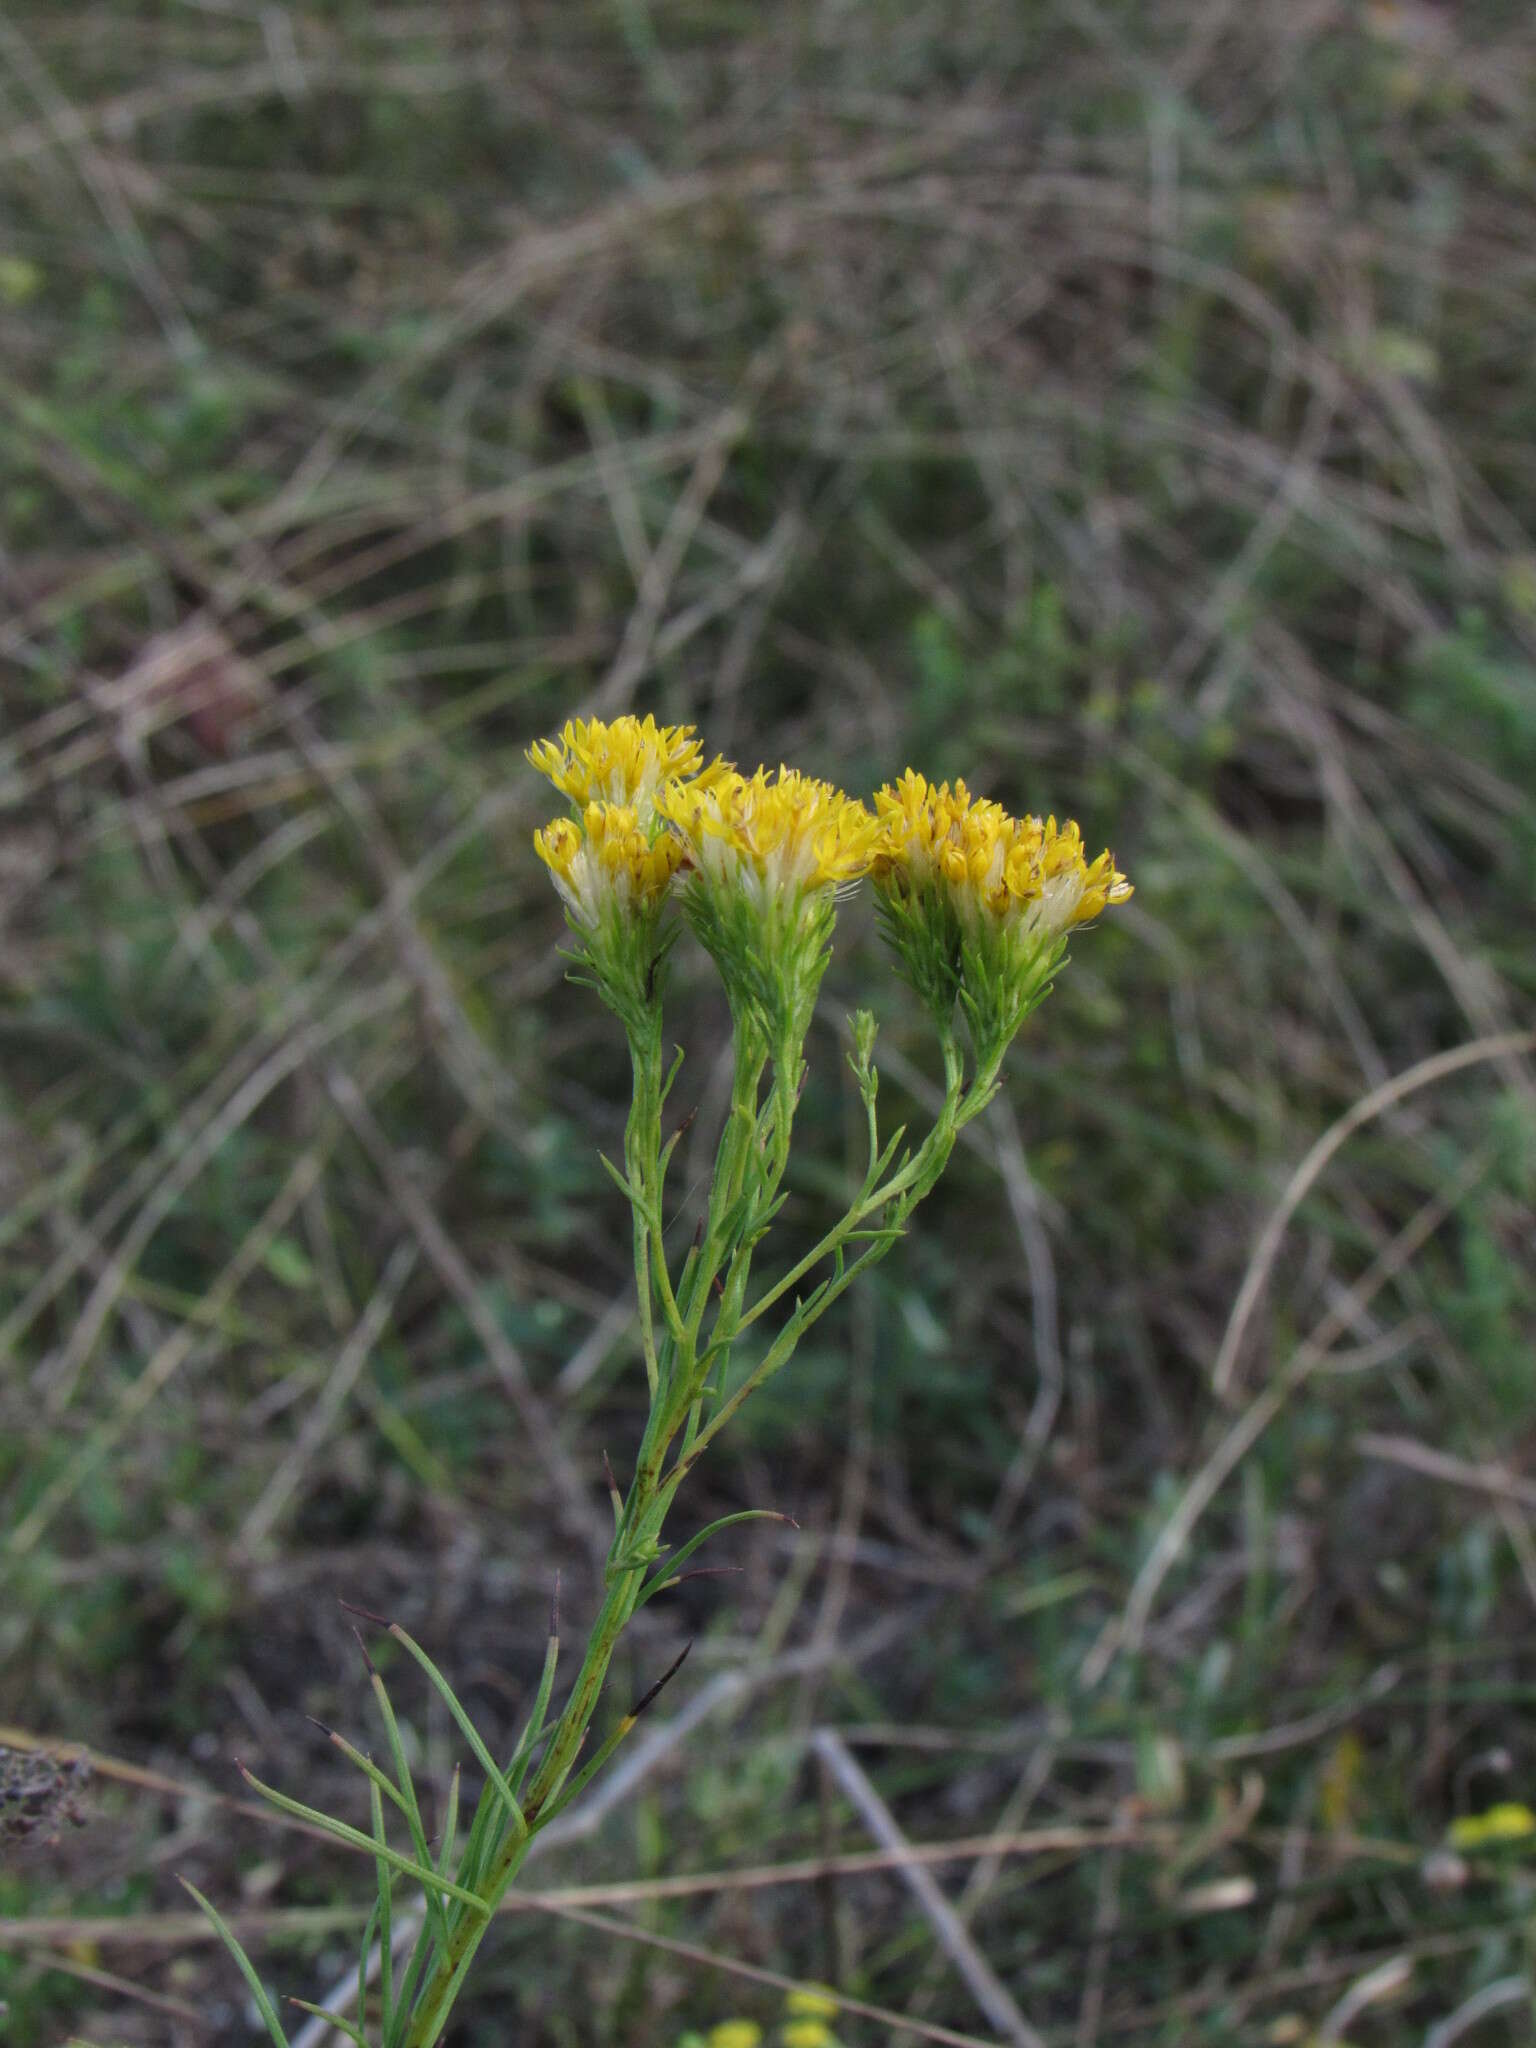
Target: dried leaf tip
x,y
647,1698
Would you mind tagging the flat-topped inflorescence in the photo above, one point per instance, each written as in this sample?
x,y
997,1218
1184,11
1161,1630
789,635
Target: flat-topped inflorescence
x,y
976,903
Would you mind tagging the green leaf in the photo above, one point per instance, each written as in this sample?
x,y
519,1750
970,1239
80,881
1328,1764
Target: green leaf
x,y
466,1727
290,1263
522,1756
247,1967
450,1825
670,1566
334,2018
354,1838
407,1802
385,1925
624,1186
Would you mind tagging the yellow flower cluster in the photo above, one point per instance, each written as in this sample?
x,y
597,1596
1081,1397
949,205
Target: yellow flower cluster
x,y
807,2012
770,833
616,856
1019,871
608,861
622,762
976,903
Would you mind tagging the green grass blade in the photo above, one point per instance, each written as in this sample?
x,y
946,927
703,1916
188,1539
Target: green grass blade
x,y
247,1968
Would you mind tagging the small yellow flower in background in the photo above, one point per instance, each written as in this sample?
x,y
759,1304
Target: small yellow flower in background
x,y
807,2034
1339,1784
735,2034
622,762
1507,1822
811,2002
770,834
608,862
20,280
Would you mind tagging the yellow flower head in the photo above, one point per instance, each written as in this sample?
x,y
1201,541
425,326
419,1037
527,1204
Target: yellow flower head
x,y
1030,875
770,834
1509,1821
622,762
808,2002
608,862
806,2034
735,2034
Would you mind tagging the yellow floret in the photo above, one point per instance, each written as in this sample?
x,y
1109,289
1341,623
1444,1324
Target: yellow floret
x,y
1509,1821
807,2002
622,762
608,862
735,2034
806,2034
1020,871
770,832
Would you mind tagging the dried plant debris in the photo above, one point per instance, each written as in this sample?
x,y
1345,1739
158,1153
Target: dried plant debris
x,y
39,1793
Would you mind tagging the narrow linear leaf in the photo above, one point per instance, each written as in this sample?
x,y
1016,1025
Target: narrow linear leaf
x,y
409,1804
364,1951
450,1825
426,1944
625,1186
370,1770
385,1924
467,1727
354,1838
670,1565
589,1771
334,2019
247,1968
522,1756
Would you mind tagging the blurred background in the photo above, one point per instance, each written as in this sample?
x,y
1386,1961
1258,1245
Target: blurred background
x,y
1126,404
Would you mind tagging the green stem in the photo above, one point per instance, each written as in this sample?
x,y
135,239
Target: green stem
x,y
645,1060
749,1165
905,1189
442,1988
919,1174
